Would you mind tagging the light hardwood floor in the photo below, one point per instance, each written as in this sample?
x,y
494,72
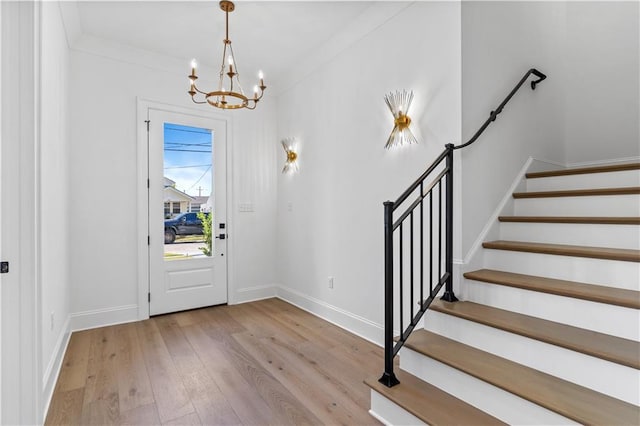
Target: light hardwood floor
x,y
258,363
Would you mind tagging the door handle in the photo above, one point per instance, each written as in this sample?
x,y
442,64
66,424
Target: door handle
x,y
221,236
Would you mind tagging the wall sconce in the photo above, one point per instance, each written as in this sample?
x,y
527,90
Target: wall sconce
x,y
291,163
399,103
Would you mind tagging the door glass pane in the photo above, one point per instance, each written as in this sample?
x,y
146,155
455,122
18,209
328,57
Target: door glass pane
x,y
188,198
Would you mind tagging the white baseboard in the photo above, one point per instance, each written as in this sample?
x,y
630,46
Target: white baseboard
x,y
50,376
103,317
251,294
351,322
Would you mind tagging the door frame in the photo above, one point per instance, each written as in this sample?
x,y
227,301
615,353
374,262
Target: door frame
x,y
21,393
143,106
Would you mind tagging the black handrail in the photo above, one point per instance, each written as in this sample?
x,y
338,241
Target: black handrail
x,y
444,278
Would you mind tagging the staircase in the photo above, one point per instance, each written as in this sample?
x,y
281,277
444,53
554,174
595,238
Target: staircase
x,y
549,332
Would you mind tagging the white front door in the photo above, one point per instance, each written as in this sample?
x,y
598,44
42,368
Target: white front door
x,y
187,175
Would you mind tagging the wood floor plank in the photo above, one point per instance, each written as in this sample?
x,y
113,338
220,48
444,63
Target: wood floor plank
x,y
101,402
568,399
142,415
73,373
300,376
65,407
591,292
171,397
283,404
625,255
210,403
243,398
615,349
187,420
134,386
584,170
601,220
631,190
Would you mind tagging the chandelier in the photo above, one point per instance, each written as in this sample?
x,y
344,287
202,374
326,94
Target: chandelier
x,y
231,95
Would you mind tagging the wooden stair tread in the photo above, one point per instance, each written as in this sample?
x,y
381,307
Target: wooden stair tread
x,y
576,402
627,255
429,403
585,170
589,342
631,220
591,292
626,190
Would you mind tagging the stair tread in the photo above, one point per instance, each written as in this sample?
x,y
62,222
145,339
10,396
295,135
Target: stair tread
x,y
625,190
591,292
589,342
565,398
626,220
429,403
584,170
627,255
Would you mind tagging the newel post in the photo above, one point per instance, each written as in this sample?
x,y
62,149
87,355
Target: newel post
x,y
388,378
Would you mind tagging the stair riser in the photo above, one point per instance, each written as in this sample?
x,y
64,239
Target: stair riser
x,y
596,235
585,181
611,273
610,205
602,376
390,413
500,404
614,320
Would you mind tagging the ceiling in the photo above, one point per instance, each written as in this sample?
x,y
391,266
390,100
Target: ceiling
x,y
271,36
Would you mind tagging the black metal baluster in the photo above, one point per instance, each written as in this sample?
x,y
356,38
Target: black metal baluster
x,y
439,230
421,248
431,242
411,266
401,282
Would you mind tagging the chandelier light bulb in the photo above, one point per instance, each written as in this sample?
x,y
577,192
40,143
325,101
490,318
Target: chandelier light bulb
x,y
230,60
260,75
194,64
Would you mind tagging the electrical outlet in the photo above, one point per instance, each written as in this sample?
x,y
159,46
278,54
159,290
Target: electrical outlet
x,y
330,282
52,318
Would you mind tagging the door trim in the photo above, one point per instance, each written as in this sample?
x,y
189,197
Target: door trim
x,y
143,106
21,393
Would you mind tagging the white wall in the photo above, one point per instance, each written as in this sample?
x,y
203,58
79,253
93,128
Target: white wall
x,y
54,193
602,83
330,212
500,42
103,178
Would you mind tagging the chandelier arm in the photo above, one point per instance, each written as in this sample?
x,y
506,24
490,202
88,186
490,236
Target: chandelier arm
x,y
237,69
198,90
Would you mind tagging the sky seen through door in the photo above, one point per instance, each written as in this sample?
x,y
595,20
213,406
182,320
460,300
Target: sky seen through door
x,y
188,159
